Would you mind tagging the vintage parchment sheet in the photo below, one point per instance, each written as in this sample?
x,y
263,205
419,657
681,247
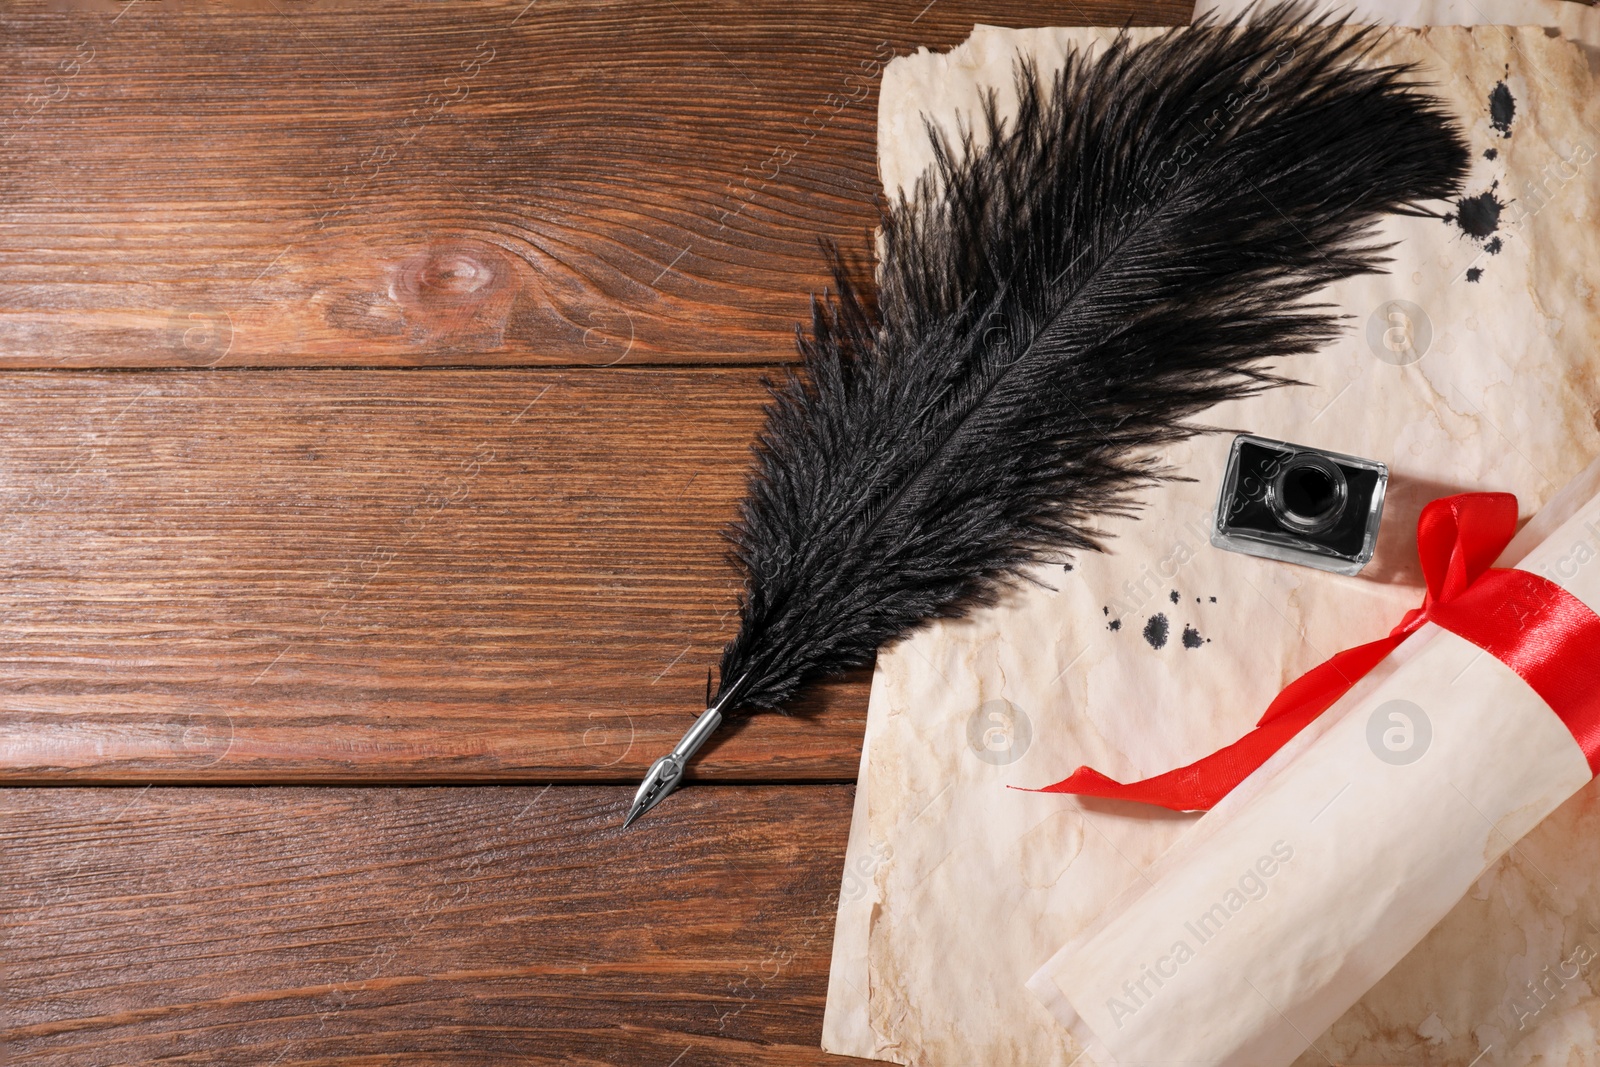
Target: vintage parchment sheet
x,y
1472,365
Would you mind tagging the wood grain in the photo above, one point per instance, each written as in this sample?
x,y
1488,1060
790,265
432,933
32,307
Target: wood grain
x,y
335,575
210,574
414,183
417,926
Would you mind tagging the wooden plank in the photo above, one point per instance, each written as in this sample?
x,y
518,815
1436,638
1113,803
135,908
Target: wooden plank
x,y
414,183
354,575
417,926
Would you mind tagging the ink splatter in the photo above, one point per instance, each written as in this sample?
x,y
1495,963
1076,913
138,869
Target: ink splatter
x,y
1502,109
1067,567
1478,216
1155,631
1213,600
1192,638
1106,611
1173,596
1493,248
1491,153
1114,625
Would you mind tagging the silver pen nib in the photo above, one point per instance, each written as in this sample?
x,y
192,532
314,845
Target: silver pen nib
x,y
667,772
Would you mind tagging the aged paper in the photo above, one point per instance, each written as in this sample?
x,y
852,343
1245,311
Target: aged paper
x,y
1467,367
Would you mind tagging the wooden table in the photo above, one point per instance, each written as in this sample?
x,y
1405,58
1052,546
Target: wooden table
x,y
374,382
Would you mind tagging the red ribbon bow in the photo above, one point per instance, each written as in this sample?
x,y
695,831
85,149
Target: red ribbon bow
x,y
1549,637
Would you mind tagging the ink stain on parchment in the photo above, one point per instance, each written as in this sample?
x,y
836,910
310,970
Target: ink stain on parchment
x,y
1491,153
1155,631
1114,625
1192,638
1479,215
1502,109
1173,596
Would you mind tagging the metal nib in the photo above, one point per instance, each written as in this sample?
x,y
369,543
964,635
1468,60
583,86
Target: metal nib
x,y
667,772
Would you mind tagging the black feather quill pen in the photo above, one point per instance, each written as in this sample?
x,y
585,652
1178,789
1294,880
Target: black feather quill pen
x,y
1056,299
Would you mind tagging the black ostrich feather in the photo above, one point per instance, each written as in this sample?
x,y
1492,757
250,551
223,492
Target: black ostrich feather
x,y
1060,295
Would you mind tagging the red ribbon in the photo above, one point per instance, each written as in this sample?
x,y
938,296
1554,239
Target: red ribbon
x,y
1532,625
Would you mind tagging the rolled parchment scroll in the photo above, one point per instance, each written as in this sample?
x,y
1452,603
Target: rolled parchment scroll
x,y
1298,892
